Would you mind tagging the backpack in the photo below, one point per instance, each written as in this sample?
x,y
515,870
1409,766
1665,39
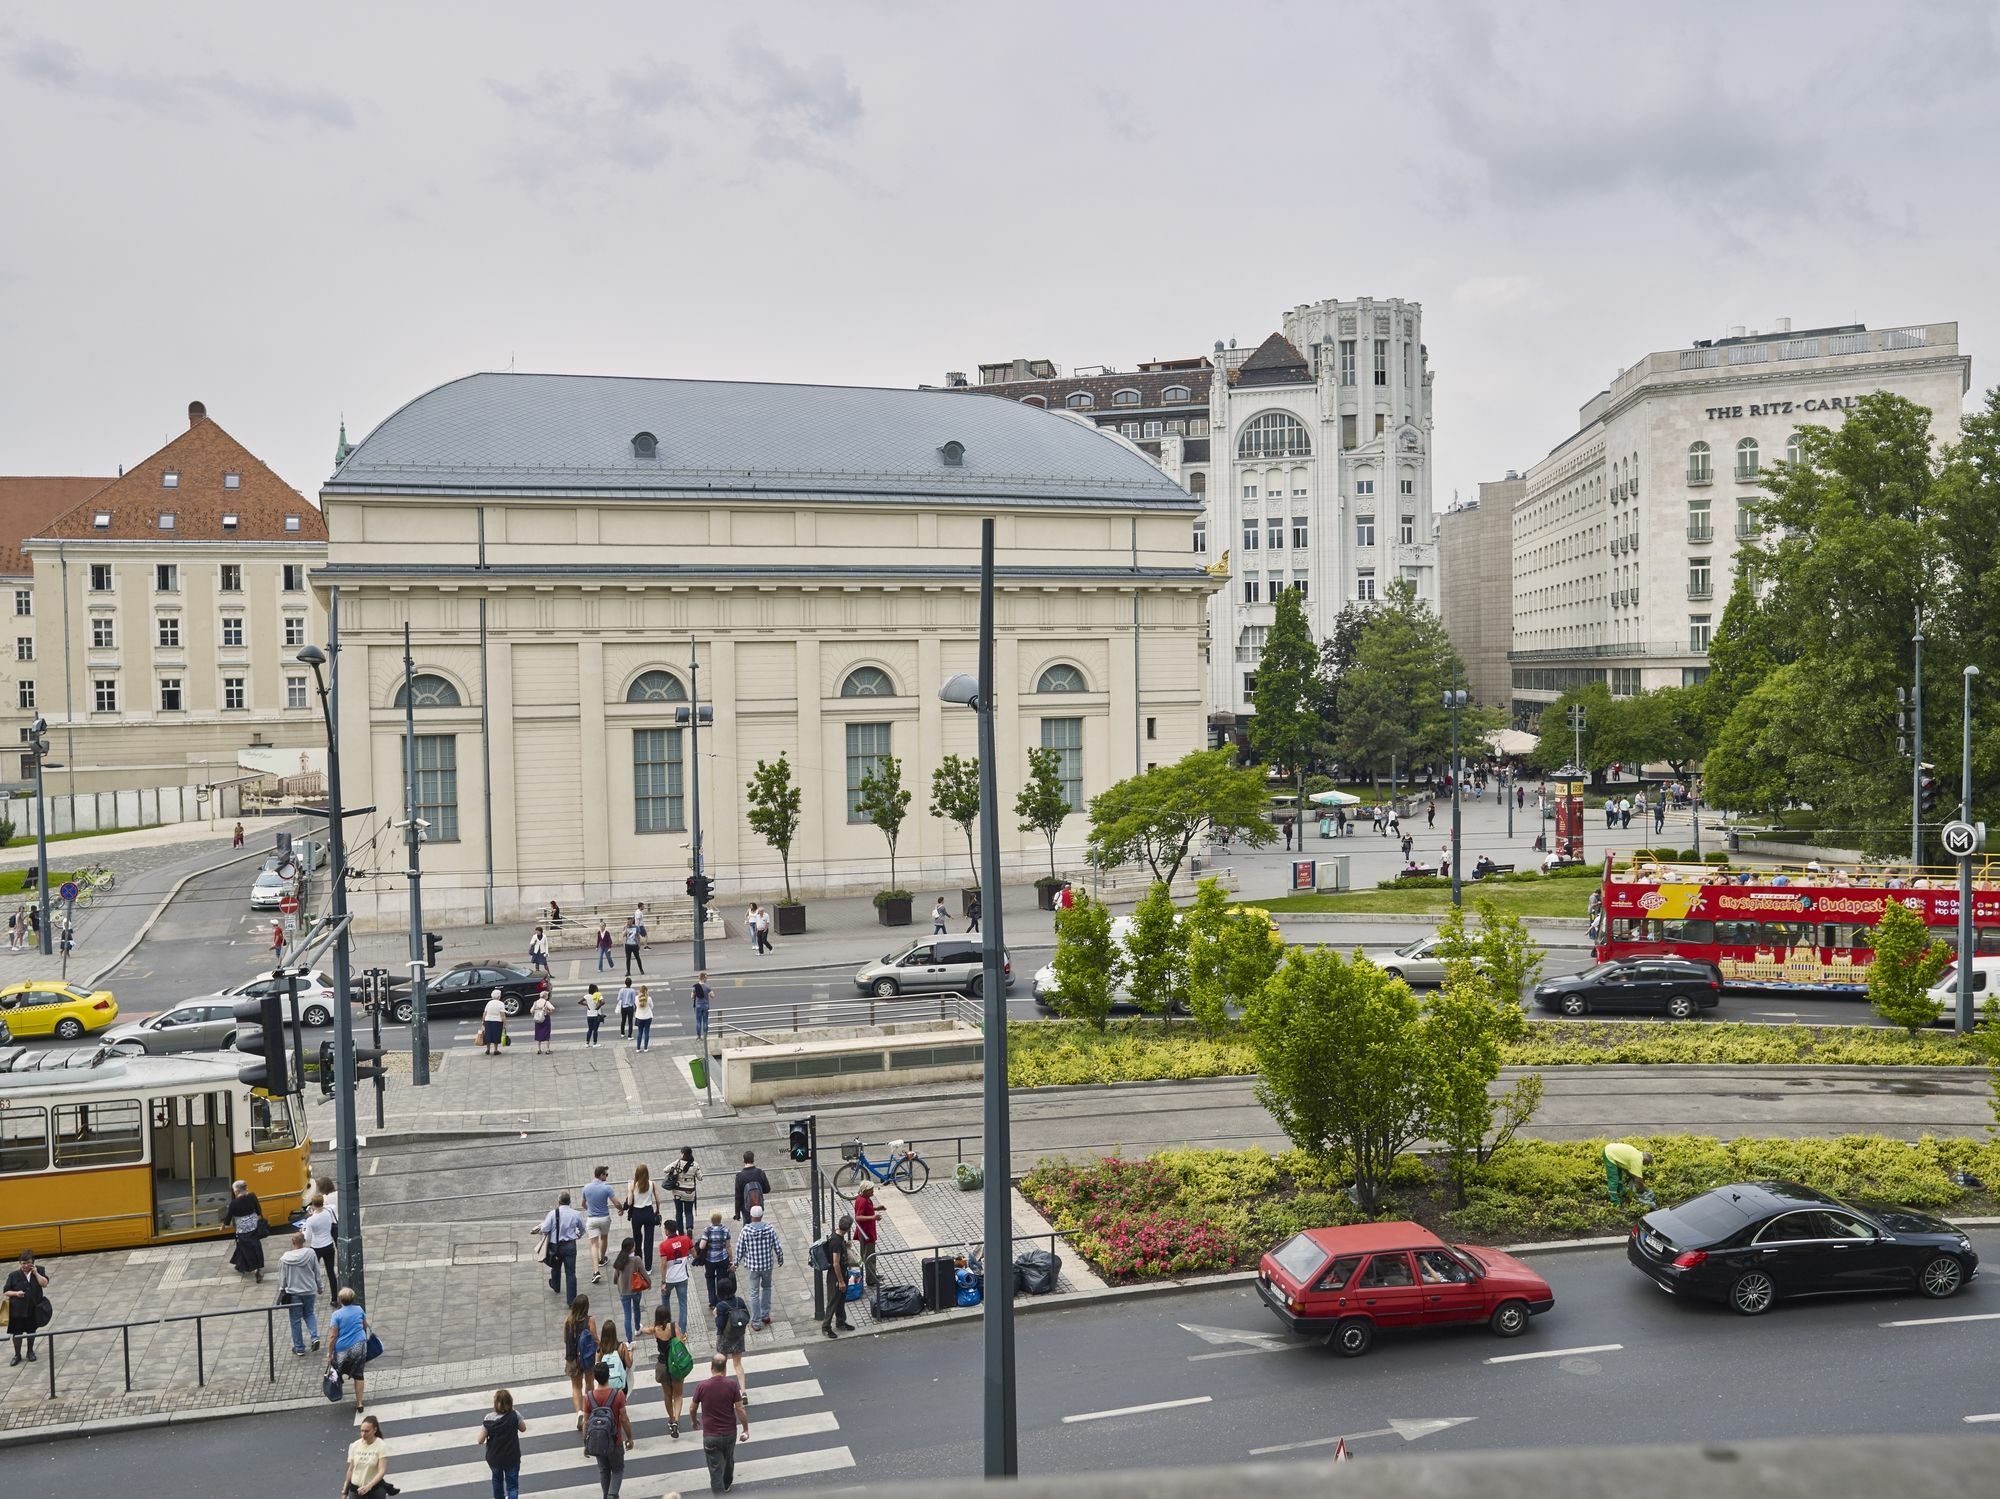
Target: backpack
x,y
819,1255
586,1350
739,1314
680,1363
753,1197
600,1428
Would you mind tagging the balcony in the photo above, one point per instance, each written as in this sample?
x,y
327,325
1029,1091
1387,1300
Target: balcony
x,y
1702,532
1747,527
1617,545
1632,542
1749,475
1700,591
1697,481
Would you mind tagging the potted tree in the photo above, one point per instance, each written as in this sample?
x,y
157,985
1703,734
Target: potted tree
x,y
774,800
885,803
955,798
1042,808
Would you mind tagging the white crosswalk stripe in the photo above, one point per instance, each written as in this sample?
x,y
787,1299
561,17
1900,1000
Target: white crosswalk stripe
x,y
434,1451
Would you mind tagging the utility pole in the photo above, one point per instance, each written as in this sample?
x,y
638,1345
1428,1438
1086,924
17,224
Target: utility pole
x,y
1917,752
1966,1017
420,1020
1454,700
39,733
694,715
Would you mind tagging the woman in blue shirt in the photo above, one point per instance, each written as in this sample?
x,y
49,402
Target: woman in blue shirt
x,y
347,1342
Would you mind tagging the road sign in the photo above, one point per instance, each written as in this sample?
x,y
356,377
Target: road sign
x,y
68,890
1962,839
289,904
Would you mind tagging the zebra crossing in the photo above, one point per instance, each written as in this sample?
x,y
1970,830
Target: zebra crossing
x,y
434,1451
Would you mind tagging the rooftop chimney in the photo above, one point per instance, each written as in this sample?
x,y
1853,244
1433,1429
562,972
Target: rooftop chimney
x,y
197,413
1735,330
1782,325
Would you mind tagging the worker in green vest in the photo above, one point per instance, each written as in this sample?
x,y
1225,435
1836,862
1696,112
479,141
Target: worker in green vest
x,y
1627,1165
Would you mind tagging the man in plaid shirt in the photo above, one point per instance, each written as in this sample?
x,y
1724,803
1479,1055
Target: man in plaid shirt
x,y
758,1253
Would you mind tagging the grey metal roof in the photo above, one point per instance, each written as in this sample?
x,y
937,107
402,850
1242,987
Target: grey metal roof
x,y
564,433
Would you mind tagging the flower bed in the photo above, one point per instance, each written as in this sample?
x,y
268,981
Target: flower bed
x,y
1194,1212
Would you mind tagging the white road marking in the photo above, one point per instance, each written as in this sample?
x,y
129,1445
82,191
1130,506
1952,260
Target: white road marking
x,y
1941,1321
645,1410
1976,1420
1408,1430
1522,1358
1136,1410
552,1389
748,1470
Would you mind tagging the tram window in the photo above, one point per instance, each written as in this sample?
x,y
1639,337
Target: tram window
x,y
271,1123
24,1141
98,1134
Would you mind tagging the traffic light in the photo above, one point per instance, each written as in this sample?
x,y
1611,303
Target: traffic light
x,y
367,1062
262,1035
326,1069
433,945
1927,792
801,1139
701,887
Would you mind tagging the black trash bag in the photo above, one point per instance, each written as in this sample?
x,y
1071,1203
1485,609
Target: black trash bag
x,y
1035,1271
896,1301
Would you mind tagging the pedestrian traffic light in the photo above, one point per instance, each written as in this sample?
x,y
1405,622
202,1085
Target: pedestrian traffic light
x,y
367,1062
433,945
1927,792
701,887
326,1069
801,1139
262,1035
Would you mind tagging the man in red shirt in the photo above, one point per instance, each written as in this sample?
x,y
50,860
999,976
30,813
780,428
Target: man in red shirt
x,y
610,1455
719,1406
865,1230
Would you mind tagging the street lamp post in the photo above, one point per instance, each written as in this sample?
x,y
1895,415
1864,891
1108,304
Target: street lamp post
x,y
1917,751
693,715
1965,962
1002,1441
39,733
1454,700
347,1164
420,1013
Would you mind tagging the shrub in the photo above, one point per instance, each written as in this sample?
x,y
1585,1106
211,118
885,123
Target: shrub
x,y
1718,857
1416,882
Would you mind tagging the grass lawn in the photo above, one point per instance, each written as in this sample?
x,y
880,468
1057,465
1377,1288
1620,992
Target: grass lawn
x,y
1549,898
27,840
16,881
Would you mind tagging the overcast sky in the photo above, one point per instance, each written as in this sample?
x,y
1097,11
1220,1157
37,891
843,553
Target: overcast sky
x,y
294,213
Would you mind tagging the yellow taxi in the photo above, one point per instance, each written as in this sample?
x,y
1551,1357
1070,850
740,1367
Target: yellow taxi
x,y
52,1007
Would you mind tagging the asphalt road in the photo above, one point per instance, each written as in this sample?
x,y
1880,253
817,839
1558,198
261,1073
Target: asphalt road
x,y
1210,1378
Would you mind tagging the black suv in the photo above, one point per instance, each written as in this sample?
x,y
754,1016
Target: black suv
x,y
1679,988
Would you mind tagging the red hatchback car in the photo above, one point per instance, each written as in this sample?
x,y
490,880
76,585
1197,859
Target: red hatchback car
x,y
1346,1282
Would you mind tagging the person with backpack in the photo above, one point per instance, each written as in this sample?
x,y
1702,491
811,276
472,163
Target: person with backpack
x,y
752,1185
579,1352
758,1255
721,1407
732,1324
500,1435
682,1178
829,1257
642,1019
607,1432
615,1354
714,1250
672,1363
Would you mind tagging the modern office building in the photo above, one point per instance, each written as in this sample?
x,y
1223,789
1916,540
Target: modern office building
x,y
1625,536
1475,552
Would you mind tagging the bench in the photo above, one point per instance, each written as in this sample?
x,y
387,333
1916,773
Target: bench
x,y
1417,871
1492,869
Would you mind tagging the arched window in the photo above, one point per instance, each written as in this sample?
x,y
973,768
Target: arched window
x,y
1275,434
1746,458
656,687
1041,401
427,690
1198,485
868,681
1699,471
645,445
1176,393
1125,398
1795,448
1062,677
1078,400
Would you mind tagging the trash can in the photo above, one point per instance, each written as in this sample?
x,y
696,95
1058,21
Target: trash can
x,y
698,1070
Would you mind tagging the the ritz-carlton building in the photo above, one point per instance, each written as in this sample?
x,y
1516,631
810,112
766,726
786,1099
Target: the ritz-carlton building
x,y
1625,535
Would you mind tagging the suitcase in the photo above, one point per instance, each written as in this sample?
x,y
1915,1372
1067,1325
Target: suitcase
x,y
940,1283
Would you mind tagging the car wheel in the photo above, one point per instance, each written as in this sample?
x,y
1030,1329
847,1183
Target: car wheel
x,y
1752,1293
318,1015
1574,1005
511,1003
885,989
1352,1336
68,1029
978,985
1941,1277
129,1048
1680,1007
1510,1319
1394,973
405,1011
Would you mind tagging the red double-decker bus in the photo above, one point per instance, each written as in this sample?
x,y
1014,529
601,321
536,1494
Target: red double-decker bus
x,y
1778,928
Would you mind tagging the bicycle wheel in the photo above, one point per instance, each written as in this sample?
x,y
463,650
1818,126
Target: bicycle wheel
x,y
849,1179
911,1174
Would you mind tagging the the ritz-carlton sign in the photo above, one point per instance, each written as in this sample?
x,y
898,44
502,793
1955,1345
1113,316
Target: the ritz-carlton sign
x,y
1784,408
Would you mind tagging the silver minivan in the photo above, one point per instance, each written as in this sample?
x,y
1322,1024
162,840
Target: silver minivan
x,y
932,965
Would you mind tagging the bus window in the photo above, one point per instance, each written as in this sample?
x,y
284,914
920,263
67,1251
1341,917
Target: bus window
x,y
271,1124
1688,931
24,1141
1986,942
1741,933
98,1134
1626,929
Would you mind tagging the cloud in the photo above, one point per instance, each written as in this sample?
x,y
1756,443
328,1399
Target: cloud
x,y
189,97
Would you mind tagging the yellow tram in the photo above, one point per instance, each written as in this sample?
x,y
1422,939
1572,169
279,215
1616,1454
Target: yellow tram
x,y
99,1151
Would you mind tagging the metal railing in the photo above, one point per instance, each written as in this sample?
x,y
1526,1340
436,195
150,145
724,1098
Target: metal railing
x,y
762,1022
270,1314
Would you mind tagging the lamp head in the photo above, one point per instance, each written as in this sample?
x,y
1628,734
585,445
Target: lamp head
x,y
39,727
961,691
311,655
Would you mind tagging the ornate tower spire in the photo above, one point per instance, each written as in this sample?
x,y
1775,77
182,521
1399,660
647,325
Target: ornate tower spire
x,y
340,449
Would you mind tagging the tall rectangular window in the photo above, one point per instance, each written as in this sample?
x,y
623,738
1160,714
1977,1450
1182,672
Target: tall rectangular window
x,y
295,577
1200,538
104,694
1364,530
24,647
1698,632
295,692
1300,587
1253,589
1274,533
1250,535
1347,431
867,747
232,692
1406,530
24,601
1347,361
1406,366
100,577
170,694
656,780
1364,585
1301,533
232,577
170,631
295,630
103,632
24,693
437,786
166,577
1700,580
1381,361
1065,737
1406,486
232,630
1700,518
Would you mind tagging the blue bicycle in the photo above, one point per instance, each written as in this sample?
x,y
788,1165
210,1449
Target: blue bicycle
x,y
904,1169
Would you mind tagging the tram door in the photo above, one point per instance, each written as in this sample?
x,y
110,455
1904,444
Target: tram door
x,y
192,1161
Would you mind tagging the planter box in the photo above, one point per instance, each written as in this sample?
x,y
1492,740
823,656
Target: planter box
x,y
1045,895
966,897
894,912
791,921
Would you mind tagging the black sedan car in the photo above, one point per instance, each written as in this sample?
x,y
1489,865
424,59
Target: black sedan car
x,y
466,988
1678,988
1750,1244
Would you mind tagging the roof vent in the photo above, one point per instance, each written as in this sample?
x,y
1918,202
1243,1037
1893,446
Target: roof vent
x,y
197,413
953,454
645,445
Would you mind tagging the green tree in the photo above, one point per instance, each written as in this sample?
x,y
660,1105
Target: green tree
x,y
1041,806
1155,817
1089,963
1391,700
1500,959
1286,728
1344,1064
885,803
1907,962
1209,923
1557,745
1650,727
1337,654
955,798
1741,653
1470,1020
774,801
1156,949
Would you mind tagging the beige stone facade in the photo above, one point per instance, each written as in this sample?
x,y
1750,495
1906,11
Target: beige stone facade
x,y
1475,553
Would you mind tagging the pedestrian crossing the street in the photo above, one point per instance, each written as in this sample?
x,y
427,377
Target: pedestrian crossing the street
x,y
434,1451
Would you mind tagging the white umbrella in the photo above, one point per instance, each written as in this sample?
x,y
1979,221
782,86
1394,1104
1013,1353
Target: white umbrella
x,y
1334,799
1511,741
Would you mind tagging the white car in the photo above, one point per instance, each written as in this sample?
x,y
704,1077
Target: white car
x,y
269,889
1044,985
1418,962
315,992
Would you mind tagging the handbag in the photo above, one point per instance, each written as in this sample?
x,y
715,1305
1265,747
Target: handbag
x,y
373,1351
505,1039
329,1383
641,1281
